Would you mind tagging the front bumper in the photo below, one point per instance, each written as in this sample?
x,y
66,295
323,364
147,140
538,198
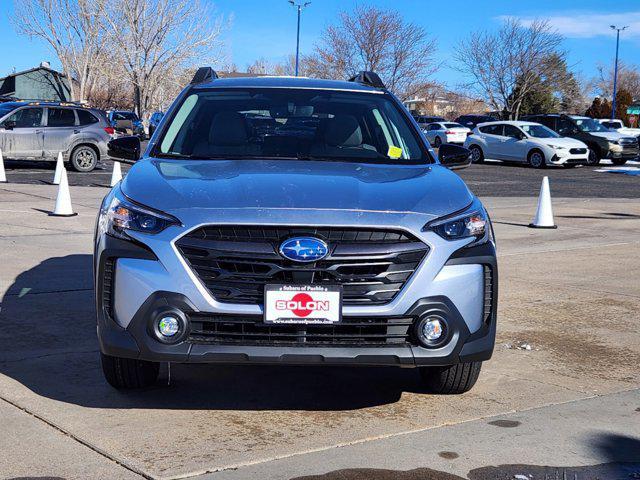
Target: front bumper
x,y
624,153
470,339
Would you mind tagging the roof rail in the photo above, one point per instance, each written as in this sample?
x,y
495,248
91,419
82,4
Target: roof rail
x,y
204,74
368,78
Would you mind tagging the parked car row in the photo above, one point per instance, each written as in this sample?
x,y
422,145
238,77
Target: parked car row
x,y
519,141
539,140
39,130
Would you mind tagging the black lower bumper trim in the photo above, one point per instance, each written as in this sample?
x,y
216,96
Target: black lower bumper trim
x,y
137,341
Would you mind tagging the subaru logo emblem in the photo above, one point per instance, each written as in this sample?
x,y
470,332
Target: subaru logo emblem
x,y
304,249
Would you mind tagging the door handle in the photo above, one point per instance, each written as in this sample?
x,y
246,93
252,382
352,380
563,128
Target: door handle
x,y
39,131
76,131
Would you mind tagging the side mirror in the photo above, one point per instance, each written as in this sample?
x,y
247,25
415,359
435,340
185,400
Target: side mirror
x,y
9,125
125,148
454,157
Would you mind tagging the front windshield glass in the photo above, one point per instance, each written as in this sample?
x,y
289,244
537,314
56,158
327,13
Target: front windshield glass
x,y
590,125
4,109
290,123
539,131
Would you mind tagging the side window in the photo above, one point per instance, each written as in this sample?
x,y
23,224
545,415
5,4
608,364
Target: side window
x,y
565,127
26,118
61,117
492,129
512,132
434,126
85,117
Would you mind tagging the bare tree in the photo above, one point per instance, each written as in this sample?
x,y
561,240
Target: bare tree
x,y
157,37
504,66
379,40
628,79
73,30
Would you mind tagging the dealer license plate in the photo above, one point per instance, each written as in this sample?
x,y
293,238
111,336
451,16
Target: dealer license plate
x,y
302,304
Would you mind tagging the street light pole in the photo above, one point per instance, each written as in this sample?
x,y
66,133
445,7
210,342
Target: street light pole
x,y
299,6
615,70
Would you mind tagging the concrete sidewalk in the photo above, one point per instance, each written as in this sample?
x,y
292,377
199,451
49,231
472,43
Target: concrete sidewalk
x,y
572,294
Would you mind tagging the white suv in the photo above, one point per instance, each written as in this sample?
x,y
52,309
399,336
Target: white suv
x,y
525,142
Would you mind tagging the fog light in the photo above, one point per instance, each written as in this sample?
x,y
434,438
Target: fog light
x,y
432,329
168,326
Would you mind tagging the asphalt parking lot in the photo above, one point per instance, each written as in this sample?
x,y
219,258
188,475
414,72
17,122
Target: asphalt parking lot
x,y
569,404
491,179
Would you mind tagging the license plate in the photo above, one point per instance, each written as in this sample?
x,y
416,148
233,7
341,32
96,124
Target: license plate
x,y
302,304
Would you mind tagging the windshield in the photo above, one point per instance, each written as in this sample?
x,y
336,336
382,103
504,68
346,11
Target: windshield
x,y
124,116
4,109
539,131
290,123
590,125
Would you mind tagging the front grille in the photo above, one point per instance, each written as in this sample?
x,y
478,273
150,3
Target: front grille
x,y
577,151
108,274
249,330
236,262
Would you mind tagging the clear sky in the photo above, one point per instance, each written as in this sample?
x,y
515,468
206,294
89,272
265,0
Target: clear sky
x,y
266,28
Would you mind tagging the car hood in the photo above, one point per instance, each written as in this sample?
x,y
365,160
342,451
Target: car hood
x,y
609,135
561,142
172,185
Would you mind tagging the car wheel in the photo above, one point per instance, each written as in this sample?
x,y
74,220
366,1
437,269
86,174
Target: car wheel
x,y
84,158
536,159
437,142
477,156
129,373
619,161
593,158
452,379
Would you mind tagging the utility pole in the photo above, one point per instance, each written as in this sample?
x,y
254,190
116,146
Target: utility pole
x,y
299,6
615,70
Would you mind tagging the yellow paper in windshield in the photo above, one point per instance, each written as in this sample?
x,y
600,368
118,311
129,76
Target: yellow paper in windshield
x,y
394,152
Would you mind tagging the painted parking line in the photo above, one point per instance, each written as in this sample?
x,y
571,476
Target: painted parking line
x,y
622,170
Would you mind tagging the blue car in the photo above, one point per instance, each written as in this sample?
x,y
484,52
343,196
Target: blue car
x,y
293,221
118,118
154,121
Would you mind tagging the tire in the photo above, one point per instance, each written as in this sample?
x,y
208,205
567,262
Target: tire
x,y
451,380
619,161
84,158
129,373
437,142
477,155
593,158
536,159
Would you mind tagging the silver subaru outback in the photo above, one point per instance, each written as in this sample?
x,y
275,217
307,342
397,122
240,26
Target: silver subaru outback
x,y
293,221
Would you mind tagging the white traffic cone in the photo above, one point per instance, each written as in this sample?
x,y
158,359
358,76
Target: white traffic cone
x,y
544,214
63,206
116,174
59,167
3,176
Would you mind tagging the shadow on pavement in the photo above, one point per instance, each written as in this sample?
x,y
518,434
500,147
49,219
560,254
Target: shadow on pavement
x,y
620,456
49,345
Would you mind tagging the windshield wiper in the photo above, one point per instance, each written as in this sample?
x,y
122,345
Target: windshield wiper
x,y
172,155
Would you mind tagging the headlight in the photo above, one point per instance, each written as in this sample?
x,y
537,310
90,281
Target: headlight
x,y
614,145
555,147
121,215
474,223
